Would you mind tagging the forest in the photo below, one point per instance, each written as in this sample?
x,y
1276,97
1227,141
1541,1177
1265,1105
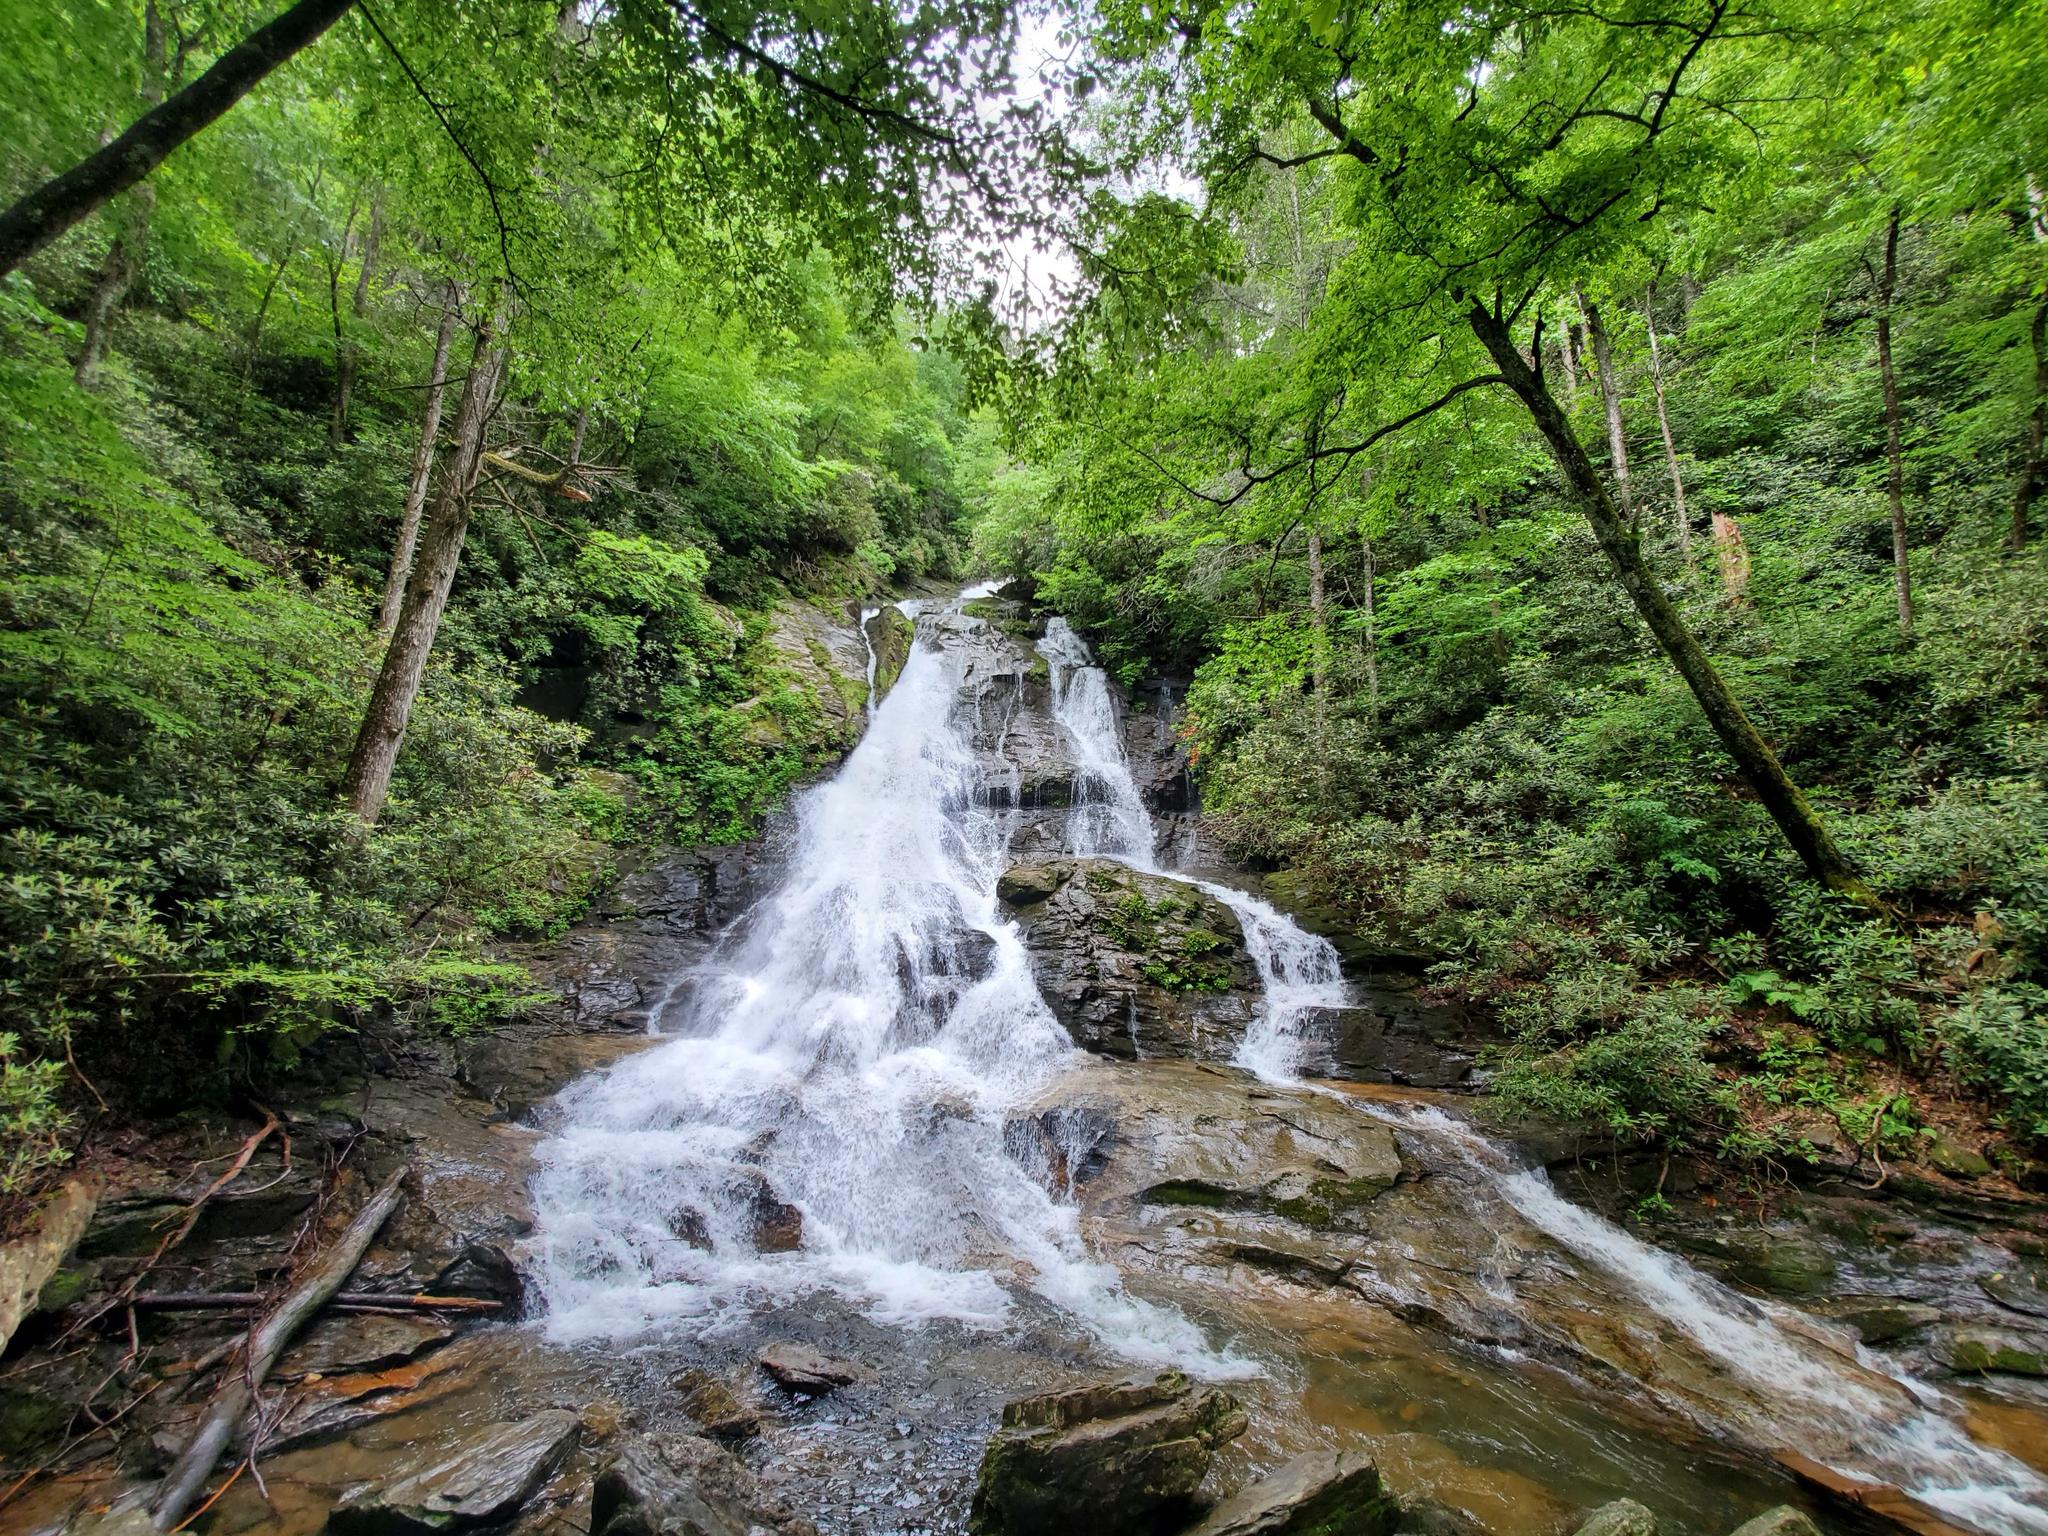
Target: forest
x,y
1583,464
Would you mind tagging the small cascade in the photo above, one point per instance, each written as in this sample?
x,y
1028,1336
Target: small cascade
x,y
1109,818
1872,1421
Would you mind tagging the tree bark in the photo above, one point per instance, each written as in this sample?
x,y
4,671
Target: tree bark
x,y
1895,470
2034,468
1568,368
349,358
58,204
124,258
1754,760
1680,520
1371,638
368,779
422,471
1731,554
1610,398
1319,650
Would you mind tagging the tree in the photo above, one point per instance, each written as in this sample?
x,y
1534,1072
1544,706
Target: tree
x,y
1494,158
63,201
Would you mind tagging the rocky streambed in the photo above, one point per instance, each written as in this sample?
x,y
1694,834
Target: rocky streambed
x,y
1378,1281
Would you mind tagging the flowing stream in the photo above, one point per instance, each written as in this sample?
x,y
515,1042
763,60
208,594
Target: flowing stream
x,y
827,1111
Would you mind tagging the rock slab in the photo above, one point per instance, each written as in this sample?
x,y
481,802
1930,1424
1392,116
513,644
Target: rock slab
x,y
484,1480
1325,1493
1114,1459
800,1368
680,1485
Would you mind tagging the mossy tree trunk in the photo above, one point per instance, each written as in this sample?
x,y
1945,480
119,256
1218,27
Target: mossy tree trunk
x,y
1754,760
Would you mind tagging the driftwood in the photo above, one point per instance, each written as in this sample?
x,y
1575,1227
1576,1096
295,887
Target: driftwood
x,y
266,1341
340,1301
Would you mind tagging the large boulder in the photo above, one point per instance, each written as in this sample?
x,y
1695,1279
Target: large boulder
x,y
1118,1459
482,1479
1134,964
681,1485
1325,1493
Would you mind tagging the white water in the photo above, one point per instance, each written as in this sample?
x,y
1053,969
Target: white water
x,y
1300,971
1856,1426
854,1051
839,1053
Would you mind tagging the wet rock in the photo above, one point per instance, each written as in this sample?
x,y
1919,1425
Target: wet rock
x,y
1782,1262
2020,1290
1426,1516
28,1262
1393,1039
1878,1319
800,1368
1945,1155
1969,1350
485,1271
717,1411
778,1226
482,1480
1624,1517
1116,1459
1136,964
681,1485
889,636
363,1343
1782,1521
1023,885
1314,1495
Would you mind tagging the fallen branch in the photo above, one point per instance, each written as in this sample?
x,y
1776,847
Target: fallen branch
x,y
340,1301
266,1341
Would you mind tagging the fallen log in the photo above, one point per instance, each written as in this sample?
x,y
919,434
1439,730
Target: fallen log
x,y
340,1301
267,1339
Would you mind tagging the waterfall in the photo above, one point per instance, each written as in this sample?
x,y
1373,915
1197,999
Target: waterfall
x,y
1903,1437
1300,970
829,1115
826,1114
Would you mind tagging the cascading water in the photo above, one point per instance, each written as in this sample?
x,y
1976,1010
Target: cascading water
x,y
1300,971
845,1061
849,1059
1856,1425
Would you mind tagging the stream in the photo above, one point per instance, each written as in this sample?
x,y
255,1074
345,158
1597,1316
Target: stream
x,y
862,1125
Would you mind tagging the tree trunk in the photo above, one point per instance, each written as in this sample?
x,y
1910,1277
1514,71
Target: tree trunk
x,y
1610,397
253,346
422,470
2034,467
426,592
1895,470
1319,650
123,263
1680,520
59,203
1371,638
1568,366
1732,555
1754,760
349,357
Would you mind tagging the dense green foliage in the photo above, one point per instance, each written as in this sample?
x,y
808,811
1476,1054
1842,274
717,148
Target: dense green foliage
x,y
1416,683
198,527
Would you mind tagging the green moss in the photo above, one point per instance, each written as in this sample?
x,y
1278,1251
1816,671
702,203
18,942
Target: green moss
x,y
1187,1192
